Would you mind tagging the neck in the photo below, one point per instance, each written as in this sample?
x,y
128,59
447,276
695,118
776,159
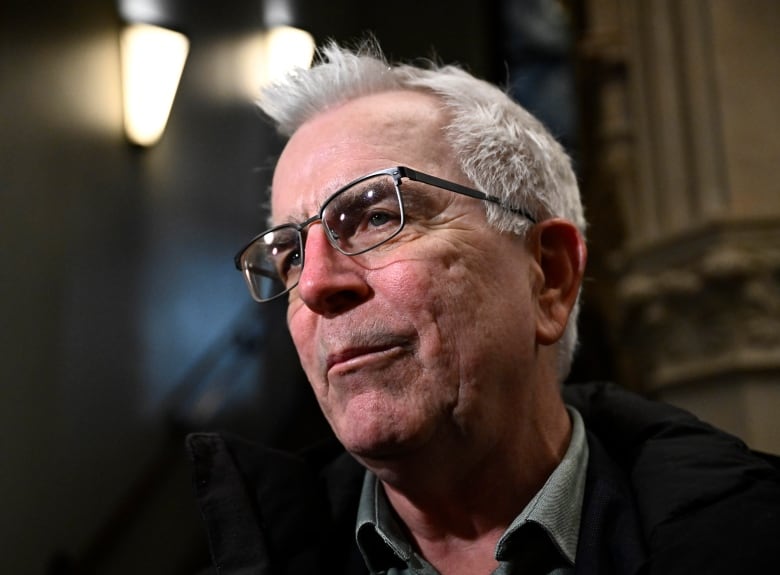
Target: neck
x,y
489,481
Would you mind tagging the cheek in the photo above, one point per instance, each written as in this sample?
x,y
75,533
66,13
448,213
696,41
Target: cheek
x,y
481,309
433,296
302,325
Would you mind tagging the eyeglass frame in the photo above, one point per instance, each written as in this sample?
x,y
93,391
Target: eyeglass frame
x,y
397,173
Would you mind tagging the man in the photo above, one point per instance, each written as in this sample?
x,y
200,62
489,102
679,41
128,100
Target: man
x,y
428,234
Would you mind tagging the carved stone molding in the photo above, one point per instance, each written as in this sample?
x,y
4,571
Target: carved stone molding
x,y
703,307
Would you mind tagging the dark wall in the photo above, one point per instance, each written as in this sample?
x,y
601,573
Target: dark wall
x,y
116,270
117,290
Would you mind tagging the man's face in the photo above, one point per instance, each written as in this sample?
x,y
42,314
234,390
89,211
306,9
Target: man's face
x,y
429,339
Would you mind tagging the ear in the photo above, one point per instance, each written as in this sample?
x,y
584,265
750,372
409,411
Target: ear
x,y
560,253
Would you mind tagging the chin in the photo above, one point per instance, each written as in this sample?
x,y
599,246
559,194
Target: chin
x,y
373,426
377,442
370,444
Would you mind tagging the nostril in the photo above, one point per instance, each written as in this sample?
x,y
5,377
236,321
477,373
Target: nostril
x,y
341,302
335,295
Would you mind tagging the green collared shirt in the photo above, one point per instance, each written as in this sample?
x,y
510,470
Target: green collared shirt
x,y
542,540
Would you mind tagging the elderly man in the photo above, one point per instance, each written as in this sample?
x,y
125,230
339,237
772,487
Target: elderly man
x,y
428,236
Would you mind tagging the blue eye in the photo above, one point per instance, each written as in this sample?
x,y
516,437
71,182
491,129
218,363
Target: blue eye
x,y
291,260
378,219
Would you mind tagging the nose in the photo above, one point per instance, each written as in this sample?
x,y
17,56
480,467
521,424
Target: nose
x,y
330,282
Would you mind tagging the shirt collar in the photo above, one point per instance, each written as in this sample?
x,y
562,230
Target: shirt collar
x,y
378,534
557,506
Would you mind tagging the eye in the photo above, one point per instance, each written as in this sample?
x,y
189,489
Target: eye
x,y
286,261
378,219
375,221
280,249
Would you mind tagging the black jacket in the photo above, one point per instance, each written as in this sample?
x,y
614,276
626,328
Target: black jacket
x,y
665,494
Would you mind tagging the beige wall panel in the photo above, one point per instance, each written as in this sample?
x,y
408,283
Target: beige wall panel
x,y
747,50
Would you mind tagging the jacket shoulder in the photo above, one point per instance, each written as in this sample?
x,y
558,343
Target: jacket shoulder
x,y
267,511
706,502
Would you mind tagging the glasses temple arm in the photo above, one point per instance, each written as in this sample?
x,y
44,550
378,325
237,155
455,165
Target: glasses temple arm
x,y
463,190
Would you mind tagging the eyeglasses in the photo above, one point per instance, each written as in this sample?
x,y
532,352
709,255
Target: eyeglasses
x,y
359,217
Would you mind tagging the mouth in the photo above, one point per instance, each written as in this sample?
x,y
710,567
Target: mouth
x,y
354,357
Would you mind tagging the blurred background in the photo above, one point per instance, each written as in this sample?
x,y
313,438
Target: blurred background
x,y
124,325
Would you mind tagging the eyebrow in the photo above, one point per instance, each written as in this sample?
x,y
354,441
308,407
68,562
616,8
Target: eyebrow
x,y
294,218
300,216
417,198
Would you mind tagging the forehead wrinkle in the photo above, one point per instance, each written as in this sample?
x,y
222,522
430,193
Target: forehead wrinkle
x,y
364,135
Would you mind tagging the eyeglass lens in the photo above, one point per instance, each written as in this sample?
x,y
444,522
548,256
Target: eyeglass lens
x,y
356,219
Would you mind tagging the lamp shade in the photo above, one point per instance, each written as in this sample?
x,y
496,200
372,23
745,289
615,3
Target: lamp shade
x,y
286,48
152,63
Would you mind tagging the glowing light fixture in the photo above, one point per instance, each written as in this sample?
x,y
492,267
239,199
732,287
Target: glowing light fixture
x,y
285,49
152,62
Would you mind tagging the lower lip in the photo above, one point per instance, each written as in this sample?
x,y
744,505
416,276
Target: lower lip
x,y
365,360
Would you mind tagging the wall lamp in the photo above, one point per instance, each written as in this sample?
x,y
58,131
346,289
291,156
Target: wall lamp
x,y
153,59
284,48
283,44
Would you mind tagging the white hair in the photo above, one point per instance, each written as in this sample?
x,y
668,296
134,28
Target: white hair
x,y
501,148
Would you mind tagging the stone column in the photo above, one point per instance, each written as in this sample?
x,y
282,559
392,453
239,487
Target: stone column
x,y
691,142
